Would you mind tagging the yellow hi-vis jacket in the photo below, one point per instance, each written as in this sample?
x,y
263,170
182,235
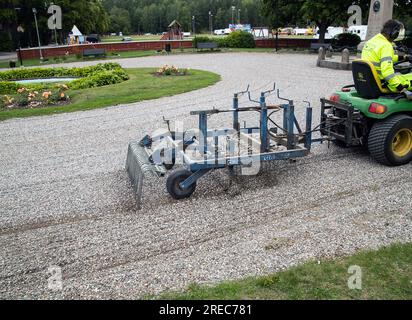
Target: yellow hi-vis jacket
x,y
381,53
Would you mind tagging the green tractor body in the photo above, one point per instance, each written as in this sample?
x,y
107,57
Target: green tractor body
x,y
365,106
383,125
368,114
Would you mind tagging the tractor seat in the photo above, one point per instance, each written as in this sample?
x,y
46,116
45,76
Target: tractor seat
x,y
367,81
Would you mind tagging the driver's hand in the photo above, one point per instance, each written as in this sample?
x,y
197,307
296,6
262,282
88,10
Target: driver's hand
x,y
408,94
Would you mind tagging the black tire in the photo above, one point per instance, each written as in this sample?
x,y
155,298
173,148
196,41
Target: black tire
x,y
173,185
383,137
169,166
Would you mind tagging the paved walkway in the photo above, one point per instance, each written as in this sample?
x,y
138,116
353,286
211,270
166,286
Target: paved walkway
x,y
8,56
65,199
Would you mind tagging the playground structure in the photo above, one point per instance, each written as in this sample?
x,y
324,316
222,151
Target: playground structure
x,y
174,31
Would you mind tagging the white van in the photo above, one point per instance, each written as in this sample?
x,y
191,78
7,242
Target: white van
x,y
361,31
331,33
219,32
300,31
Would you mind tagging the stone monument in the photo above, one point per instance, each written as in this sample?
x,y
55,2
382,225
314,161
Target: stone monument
x,y
380,12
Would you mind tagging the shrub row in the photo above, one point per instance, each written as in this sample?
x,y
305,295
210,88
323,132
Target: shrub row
x,y
103,78
346,40
19,74
237,39
8,87
94,76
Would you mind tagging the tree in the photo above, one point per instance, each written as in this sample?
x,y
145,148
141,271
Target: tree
x,y
282,13
326,13
89,16
323,13
120,20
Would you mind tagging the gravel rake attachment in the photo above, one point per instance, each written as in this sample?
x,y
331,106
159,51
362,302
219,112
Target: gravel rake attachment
x,y
139,167
200,151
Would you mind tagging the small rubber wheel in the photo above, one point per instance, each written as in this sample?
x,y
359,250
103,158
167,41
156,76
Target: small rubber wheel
x,y
173,185
390,141
168,166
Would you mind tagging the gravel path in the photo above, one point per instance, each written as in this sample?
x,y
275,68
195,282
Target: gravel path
x,y
65,199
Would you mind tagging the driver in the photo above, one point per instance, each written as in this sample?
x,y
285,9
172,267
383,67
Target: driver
x,y
380,51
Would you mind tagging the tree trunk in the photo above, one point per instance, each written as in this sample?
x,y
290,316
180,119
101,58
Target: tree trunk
x,y
323,28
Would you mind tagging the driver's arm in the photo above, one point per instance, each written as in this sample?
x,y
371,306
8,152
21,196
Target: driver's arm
x,y
388,58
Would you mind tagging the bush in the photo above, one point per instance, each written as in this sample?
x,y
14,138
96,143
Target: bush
x,y
346,40
94,76
19,74
9,87
238,39
103,78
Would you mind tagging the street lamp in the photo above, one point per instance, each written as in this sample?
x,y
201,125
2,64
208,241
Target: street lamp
x,y
38,34
238,16
194,25
19,31
233,14
211,22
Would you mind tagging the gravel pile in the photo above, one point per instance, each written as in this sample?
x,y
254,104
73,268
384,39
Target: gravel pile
x,y
65,199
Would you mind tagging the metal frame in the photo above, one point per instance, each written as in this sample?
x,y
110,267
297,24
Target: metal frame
x,y
213,161
350,118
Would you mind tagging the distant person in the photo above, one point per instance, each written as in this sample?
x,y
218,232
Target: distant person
x,y
380,51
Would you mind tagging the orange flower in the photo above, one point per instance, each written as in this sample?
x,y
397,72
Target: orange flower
x,y
47,94
62,95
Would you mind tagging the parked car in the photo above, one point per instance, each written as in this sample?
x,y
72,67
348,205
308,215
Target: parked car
x,y
93,38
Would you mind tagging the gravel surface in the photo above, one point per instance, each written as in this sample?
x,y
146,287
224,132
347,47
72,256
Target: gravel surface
x,y
65,199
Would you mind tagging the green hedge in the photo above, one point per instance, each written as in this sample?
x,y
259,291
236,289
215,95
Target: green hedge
x,y
237,39
33,73
100,79
9,87
93,76
346,40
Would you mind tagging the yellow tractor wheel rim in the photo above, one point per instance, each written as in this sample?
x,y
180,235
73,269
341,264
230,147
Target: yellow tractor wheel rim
x,y
402,143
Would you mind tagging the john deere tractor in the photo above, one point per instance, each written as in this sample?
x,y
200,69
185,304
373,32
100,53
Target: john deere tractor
x,y
367,114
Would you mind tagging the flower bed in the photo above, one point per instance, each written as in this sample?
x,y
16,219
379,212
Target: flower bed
x,y
17,95
167,70
26,98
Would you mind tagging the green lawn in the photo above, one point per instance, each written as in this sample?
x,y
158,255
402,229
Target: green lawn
x,y
141,86
387,274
